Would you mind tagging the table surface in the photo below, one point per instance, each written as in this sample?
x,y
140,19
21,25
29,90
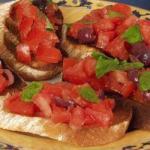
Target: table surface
x,y
140,3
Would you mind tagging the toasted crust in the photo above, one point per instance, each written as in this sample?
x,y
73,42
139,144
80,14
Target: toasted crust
x,y
7,54
141,118
87,136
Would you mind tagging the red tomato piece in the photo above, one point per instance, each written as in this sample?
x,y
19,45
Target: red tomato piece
x,y
69,62
103,25
77,119
23,53
60,115
89,66
117,49
103,117
122,8
104,38
130,21
145,30
25,27
118,81
33,41
15,105
76,74
48,55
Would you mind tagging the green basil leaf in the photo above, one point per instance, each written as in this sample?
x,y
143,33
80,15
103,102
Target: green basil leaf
x,y
88,94
124,65
107,64
113,14
144,81
132,34
97,54
104,66
49,25
32,89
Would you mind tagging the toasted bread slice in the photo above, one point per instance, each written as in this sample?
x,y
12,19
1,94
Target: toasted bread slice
x,y
8,42
73,49
87,136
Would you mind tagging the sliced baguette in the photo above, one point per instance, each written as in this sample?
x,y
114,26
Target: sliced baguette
x,y
87,136
8,42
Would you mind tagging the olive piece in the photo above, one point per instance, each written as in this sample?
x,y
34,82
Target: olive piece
x,y
133,75
41,4
142,52
86,35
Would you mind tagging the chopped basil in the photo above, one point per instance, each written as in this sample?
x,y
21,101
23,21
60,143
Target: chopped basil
x,y
144,81
113,14
32,89
88,94
104,66
133,35
49,25
107,64
96,55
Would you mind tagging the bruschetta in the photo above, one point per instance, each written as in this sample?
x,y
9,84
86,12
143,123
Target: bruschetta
x,y
65,112
30,45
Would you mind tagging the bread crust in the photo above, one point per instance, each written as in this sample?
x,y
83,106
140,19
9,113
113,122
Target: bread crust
x,y
7,54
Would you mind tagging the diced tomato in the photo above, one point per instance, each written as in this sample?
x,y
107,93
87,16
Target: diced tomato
x,y
145,30
103,117
104,38
89,66
42,101
23,53
122,8
103,25
60,115
3,83
33,41
48,55
15,105
76,74
118,81
25,27
69,62
130,21
117,49
77,118
74,29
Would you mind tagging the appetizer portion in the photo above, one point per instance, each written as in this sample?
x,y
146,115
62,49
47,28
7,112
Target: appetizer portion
x,y
30,40
129,80
113,30
66,112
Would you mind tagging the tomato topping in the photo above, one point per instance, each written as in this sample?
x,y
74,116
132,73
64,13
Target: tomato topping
x,y
23,53
75,74
122,8
145,30
117,49
15,105
77,118
103,25
89,66
25,27
48,55
3,83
